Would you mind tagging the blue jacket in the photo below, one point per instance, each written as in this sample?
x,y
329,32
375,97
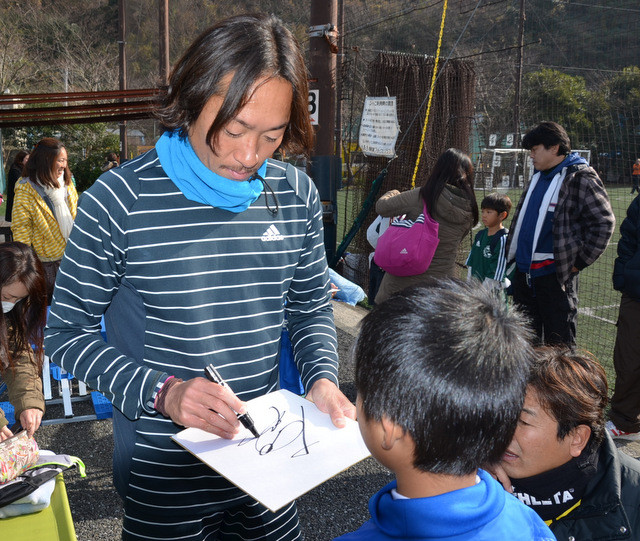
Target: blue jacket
x,y
534,252
483,512
626,270
583,221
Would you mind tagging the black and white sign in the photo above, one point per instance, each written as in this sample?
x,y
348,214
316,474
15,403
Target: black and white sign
x,y
379,127
314,101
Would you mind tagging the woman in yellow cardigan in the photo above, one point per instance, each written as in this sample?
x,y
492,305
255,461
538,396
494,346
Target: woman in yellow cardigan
x,y
45,206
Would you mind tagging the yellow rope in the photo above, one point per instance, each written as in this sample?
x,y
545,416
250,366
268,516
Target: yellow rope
x,y
433,82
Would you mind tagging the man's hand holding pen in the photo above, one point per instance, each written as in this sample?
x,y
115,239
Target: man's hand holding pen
x,y
213,375
200,403
213,407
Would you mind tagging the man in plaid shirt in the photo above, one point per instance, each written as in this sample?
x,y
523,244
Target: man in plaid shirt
x,y
562,224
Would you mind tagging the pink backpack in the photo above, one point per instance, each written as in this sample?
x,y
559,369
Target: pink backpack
x,y
407,247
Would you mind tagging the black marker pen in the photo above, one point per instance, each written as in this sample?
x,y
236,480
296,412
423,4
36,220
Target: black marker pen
x,y
246,420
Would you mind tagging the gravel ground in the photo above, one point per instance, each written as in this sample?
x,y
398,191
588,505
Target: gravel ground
x,y
333,508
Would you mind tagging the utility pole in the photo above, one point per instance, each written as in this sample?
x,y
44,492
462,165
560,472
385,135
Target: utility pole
x,y
122,9
519,67
325,168
338,94
163,34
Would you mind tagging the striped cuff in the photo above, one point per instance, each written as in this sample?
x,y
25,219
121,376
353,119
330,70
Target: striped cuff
x,y
161,397
151,403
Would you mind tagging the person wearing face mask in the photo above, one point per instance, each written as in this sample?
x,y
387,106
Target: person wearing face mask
x,y
22,321
45,206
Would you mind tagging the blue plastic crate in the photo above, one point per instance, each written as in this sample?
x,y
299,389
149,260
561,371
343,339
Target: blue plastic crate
x,y
56,372
9,412
101,405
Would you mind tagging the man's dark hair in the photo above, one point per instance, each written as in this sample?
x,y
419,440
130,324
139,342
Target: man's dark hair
x,y
498,202
572,388
548,134
449,364
247,48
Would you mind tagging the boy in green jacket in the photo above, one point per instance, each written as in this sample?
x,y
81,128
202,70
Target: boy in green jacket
x,y
487,261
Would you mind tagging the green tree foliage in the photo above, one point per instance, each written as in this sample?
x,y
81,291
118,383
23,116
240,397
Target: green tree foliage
x,y
550,94
45,45
87,170
187,20
624,89
88,146
621,94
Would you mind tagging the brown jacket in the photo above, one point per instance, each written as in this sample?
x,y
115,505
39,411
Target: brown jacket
x,y
455,220
24,385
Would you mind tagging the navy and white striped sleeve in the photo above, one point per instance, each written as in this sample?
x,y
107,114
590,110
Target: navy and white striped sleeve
x,y
309,309
89,276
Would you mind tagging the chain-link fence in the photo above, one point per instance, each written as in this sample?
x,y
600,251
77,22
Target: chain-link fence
x,y
504,66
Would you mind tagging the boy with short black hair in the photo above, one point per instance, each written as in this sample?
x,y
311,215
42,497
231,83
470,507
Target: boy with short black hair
x,y
487,261
441,373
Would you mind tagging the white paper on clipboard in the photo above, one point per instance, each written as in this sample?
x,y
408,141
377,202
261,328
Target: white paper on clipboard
x,y
298,449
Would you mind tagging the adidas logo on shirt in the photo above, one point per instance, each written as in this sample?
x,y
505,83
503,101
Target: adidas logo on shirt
x,y
404,251
271,234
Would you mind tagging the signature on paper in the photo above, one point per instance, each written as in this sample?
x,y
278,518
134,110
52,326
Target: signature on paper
x,y
281,434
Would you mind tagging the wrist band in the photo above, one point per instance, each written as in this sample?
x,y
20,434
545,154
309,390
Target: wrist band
x,y
151,403
159,404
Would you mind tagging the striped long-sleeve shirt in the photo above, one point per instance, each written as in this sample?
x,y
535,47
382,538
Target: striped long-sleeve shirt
x,y
184,284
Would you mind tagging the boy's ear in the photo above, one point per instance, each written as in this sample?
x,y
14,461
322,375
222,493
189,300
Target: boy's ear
x,y
391,433
503,215
579,438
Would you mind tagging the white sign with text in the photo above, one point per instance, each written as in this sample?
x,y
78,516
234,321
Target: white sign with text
x,y
379,127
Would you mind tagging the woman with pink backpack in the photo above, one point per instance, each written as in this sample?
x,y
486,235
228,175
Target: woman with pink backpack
x,y
449,200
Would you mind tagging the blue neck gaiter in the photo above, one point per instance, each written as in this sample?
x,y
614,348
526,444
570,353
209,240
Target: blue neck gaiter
x,y
198,183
